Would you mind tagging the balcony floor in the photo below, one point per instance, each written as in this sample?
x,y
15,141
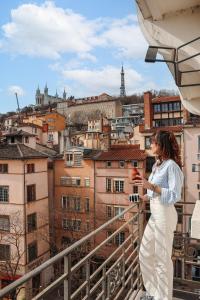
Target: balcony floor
x,y
140,293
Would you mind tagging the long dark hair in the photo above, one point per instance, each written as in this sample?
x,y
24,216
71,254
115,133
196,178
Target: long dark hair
x,y
168,146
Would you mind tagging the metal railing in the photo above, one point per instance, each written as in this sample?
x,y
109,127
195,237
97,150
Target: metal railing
x,y
151,57
116,276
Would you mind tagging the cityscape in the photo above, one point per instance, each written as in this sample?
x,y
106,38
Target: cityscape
x,y
71,217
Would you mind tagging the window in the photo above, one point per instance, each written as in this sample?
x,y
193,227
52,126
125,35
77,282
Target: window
x,y
108,185
32,222
87,182
4,223
77,159
199,143
134,163
109,233
76,181
66,224
195,167
77,203
147,142
156,108
118,210
135,189
121,163
109,164
31,192
119,186
176,106
32,251
70,181
108,211
120,238
26,139
50,120
50,137
30,168
67,181
4,252
74,225
3,168
4,193
164,107
198,186
65,202
87,204
69,159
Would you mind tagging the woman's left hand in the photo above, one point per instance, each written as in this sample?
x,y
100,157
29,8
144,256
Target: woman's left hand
x,y
141,181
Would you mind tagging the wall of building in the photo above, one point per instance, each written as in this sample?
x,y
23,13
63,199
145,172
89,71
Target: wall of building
x,y
192,193
108,108
85,171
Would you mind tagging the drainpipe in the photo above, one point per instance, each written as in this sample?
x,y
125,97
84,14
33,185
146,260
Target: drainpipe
x,y
94,200
184,217
25,222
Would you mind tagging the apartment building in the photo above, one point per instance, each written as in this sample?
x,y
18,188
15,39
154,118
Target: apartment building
x,y
113,185
51,122
74,207
24,218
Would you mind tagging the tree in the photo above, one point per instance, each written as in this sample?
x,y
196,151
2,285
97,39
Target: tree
x,y
11,264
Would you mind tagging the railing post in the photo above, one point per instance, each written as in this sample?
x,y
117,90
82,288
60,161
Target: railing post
x,y
104,283
138,244
88,279
123,268
132,240
108,288
67,281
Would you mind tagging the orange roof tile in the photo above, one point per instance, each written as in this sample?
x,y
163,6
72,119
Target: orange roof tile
x,y
122,154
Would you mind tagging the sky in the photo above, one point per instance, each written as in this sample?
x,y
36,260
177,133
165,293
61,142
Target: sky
x,y
76,45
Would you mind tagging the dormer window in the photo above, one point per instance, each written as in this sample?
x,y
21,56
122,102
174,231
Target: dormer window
x,y
74,159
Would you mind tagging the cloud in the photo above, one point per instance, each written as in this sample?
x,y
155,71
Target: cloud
x,y
106,79
125,35
12,89
48,31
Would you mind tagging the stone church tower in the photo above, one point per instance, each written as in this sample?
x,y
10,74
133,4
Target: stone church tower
x,y
45,99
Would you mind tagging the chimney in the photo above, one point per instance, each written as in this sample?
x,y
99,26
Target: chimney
x,y
148,110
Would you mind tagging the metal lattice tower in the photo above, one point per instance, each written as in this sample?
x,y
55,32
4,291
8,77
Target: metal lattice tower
x,y
122,87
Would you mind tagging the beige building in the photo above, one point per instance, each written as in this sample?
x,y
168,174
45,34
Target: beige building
x,y
105,104
24,218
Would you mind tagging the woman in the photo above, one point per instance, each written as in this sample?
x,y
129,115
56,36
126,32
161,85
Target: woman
x,y
163,190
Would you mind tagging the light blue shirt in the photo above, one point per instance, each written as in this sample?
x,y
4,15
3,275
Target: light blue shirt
x,y
169,177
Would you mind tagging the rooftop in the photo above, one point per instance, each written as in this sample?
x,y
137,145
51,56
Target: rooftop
x,y
19,151
19,133
126,154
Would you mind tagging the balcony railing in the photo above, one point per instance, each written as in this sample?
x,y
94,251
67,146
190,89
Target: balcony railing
x,y
110,271
107,271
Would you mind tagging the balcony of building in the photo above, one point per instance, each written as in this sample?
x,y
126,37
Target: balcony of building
x,y
96,267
